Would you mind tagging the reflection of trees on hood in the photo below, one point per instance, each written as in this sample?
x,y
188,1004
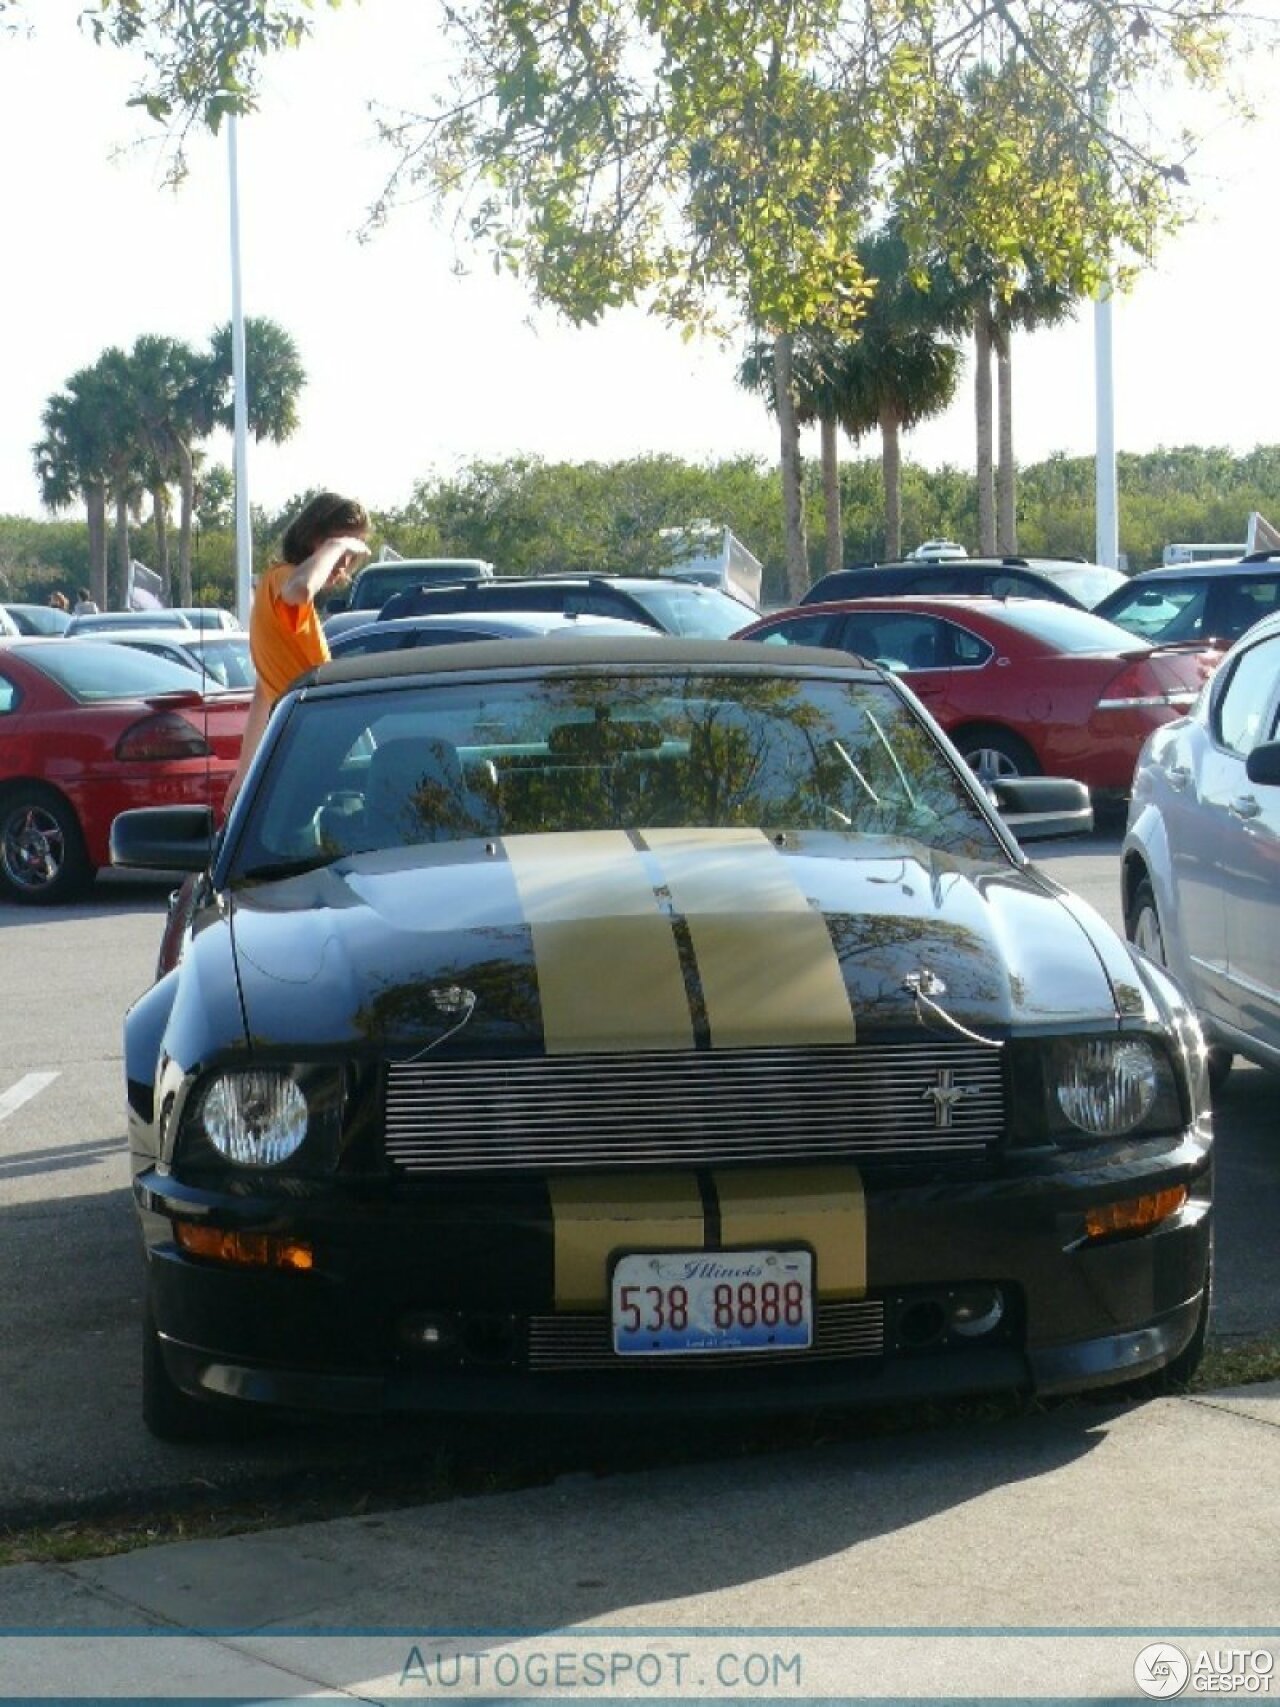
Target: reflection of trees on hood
x,y
877,951
506,991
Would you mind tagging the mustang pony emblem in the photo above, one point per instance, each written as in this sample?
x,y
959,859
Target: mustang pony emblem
x,y
946,1094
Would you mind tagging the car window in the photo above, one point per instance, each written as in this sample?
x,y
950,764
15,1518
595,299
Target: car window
x,y
92,671
1166,611
911,640
9,695
451,761
1063,628
1248,697
799,631
1235,604
702,613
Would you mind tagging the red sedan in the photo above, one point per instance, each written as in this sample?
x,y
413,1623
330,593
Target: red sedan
x,y
1021,686
87,730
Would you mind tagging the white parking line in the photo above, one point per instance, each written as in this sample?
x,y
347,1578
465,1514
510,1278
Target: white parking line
x,y
30,1085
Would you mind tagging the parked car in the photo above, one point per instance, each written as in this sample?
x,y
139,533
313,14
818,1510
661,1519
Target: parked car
x,y
447,630
1061,579
210,617
8,625
34,619
938,551
671,607
375,583
1201,856
1022,686
219,657
101,622
659,1025
89,730
1206,602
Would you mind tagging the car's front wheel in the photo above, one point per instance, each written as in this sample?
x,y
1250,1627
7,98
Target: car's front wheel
x,y
1142,925
42,853
995,754
169,1413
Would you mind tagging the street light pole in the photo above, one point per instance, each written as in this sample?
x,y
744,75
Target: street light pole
x,y
1106,502
244,534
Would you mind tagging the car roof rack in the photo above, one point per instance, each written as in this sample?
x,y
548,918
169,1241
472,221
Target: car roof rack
x,y
1260,556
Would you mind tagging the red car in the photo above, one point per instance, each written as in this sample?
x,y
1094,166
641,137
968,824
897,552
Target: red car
x,y
1021,686
87,730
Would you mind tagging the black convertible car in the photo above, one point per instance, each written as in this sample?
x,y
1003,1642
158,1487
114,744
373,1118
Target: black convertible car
x,y
677,1025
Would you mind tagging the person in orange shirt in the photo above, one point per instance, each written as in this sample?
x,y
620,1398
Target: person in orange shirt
x,y
322,543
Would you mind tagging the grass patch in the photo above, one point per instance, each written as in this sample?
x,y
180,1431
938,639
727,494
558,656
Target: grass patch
x,y
1238,1363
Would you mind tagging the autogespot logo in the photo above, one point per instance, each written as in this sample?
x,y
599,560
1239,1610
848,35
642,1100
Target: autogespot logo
x,y
1161,1670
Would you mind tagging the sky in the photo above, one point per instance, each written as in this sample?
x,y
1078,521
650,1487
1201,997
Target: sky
x,y
419,359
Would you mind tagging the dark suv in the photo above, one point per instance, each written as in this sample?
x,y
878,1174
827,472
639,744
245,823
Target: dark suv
x,y
671,606
1197,601
1066,580
377,582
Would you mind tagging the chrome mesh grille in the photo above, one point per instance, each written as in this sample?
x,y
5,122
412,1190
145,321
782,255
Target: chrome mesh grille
x,y
585,1342
892,1100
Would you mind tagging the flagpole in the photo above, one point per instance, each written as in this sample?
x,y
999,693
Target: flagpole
x,y
244,534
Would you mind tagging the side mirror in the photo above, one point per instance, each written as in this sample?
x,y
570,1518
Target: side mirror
x,y
1037,807
1263,764
163,838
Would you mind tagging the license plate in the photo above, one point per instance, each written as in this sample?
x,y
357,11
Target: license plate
x,y
693,1302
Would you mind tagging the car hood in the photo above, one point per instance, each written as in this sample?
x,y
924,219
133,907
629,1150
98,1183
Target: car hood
x,y
615,941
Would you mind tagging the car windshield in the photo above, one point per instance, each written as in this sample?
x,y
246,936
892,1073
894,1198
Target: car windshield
x,y
1063,628
1088,582
1161,610
701,613
128,619
405,766
91,672
226,660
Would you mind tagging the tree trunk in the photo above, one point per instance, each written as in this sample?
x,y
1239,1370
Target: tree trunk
x,y
792,487
160,515
96,504
187,505
891,463
982,411
831,496
121,601
1006,475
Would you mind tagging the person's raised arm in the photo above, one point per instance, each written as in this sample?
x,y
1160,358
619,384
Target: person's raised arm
x,y
304,581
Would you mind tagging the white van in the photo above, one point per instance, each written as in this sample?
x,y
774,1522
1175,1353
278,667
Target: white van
x,y
1200,553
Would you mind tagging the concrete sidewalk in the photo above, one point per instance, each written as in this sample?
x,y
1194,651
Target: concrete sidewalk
x,y
1102,1526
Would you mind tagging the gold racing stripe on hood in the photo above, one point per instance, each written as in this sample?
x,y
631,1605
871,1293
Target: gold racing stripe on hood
x,y
594,1215
608,970
766,1209
768,968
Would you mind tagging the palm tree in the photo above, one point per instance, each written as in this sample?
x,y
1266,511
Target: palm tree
x,y
274,378
1036,302
109,383
813,398
172,397
70,459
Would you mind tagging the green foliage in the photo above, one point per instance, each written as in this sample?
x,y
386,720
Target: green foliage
x,y
532,517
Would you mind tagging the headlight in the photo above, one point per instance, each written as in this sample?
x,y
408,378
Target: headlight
x,y
1105,1086
256,1118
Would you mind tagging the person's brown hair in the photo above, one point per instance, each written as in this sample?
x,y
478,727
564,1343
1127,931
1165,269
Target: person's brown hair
x,y
324,517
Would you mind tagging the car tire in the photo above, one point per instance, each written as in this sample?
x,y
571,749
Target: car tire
x,y
1142,923
169,1413
996,754
1144,930
42,853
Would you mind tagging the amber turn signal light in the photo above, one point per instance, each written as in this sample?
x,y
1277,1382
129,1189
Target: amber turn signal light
x,y
248,1250
1134,1214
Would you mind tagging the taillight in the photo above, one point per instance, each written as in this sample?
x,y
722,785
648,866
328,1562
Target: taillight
x,y
164,736
1138,686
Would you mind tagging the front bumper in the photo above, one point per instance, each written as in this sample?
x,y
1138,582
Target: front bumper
x,y
477,1264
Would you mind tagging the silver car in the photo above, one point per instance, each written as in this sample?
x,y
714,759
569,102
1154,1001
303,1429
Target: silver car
x,y
1201,857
